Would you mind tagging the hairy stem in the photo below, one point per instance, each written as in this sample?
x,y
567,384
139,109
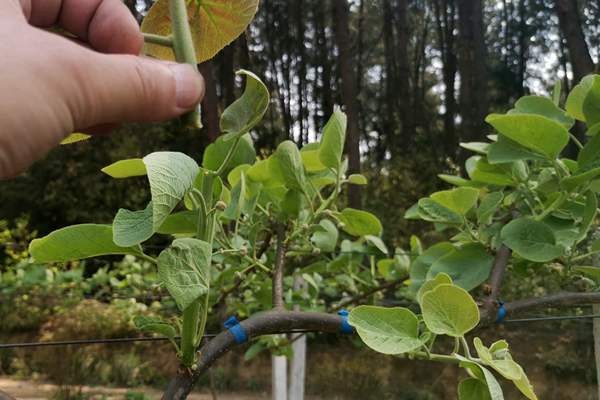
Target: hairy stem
x,y
166,41
183,46
189,333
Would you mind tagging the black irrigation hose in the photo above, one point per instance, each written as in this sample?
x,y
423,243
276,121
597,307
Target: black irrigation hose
x,y
85,342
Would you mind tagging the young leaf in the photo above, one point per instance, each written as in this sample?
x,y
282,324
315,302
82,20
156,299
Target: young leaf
x,y
473,389
155,325
332,142
468,266
387,330
290,162
440,279
506,151
488,207
133,227
214,25
360,223
459,200
357,179
449,310
481,171
310,158
75,138
577,97
238,200
184,269
483,374
77,242
542,106
184,222
126,168
215,154
247,111
504,366
532,240
431,210
540,134
377,242
326,236
476,147
591,103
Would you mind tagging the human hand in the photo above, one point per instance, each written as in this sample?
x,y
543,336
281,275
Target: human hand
x,y
51,86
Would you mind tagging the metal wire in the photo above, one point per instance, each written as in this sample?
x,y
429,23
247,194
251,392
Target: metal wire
x,y
555,318
85,342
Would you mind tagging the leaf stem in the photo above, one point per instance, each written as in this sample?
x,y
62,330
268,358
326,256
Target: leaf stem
x,y
166,41
183,46
229,156
576,141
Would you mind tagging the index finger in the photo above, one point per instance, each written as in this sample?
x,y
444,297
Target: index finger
x,y
106,25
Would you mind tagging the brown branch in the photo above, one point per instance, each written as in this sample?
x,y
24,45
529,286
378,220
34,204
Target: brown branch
x,y
278,270
267,323
490,304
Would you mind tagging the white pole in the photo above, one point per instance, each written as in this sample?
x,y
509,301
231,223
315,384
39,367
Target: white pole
x,y
596,311
298,367
279,377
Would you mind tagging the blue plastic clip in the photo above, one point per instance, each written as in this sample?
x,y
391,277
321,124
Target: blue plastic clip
x,y
501,313
347,329
238,332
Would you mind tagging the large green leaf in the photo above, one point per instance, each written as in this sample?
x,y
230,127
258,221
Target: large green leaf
x,y
332,142
171,176
184,269
473,389
360,223
77,242
247,111
577,97
214,25
215,154
460,200
535,132
591,103
480,170
387,330
290,162
468,266
449,310
326,236
488,207
542,106
440,279
532,240
431,210
184,222
505,150
589,156
420,267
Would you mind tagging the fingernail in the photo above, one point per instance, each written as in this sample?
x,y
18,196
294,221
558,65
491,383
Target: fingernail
x,y
188,86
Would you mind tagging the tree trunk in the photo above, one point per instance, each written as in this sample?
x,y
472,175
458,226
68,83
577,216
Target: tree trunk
x,y
403,89
473,74
349,94
571,27
210,103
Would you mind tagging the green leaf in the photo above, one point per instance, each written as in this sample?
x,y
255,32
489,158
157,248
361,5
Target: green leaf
x,y
459,200
488,207
473,389
542,106
238,200
184,269
591,103
504,366
292,202
420,267
506,151
480,170
181,223
483,374
357,179
532,240
590,212
360,223
537,133
439,279
332,142
126,168
155,325
377,242
476,147
468,266
247,111
171,176
577,97
525,386
75,138
592,272
326,236
215,154
77,242
387,330
214,25
571,182
310,158
431,210
290,162
449,310
457,180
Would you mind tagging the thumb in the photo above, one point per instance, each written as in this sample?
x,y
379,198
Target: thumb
x,y
122,88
